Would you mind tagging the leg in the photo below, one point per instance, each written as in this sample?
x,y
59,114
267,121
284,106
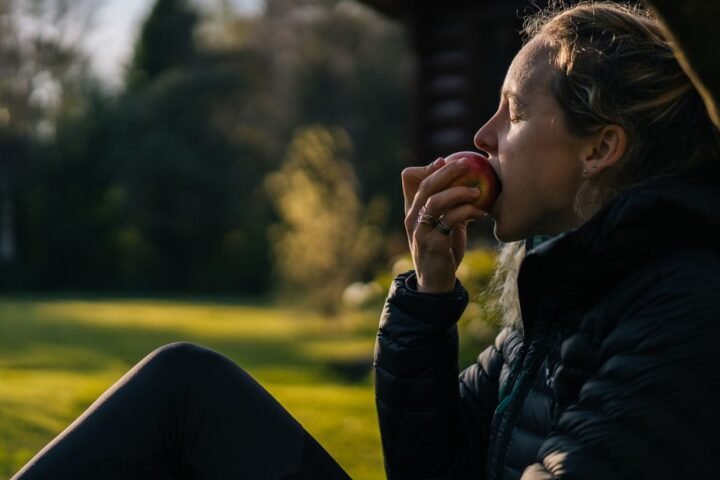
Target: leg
x,y
184,412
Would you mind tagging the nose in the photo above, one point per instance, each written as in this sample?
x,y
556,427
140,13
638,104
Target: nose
x,y
486,138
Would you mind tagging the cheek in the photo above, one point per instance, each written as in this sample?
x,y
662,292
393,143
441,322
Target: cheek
x,y
522,169
536,151
550,167
536,177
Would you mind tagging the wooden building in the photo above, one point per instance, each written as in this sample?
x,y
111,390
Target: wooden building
x,y
462,49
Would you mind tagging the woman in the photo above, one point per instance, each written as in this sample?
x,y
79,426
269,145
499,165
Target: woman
x,y
606,367
601,142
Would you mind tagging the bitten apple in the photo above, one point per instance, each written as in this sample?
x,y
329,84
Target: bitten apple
x,y
480,175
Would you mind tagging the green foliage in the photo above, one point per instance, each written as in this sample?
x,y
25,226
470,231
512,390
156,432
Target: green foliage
x,y
480,322
39,71
192,180
160,187
66,210
327,237
477,269
156,189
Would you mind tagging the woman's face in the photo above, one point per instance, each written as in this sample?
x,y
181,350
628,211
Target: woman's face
x,y
538,160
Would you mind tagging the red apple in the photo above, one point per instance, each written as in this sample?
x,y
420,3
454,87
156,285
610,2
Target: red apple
x,y
480,175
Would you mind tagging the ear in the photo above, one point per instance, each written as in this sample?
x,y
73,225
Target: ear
x,y
605,149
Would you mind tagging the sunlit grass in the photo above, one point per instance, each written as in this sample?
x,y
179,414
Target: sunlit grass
x,y
58,355
336,409
204,320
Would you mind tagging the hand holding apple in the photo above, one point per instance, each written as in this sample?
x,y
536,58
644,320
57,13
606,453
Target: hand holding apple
x,y
480,175
427,190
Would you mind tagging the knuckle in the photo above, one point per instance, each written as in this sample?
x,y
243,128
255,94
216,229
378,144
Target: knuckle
x,y
423,187
450,218
409,223
432,203
410,172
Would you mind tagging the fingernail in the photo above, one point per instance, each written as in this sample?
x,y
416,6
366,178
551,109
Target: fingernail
x,y
438,161
462,162
475,191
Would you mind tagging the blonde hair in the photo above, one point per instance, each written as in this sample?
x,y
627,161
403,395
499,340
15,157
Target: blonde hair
x,y
503,290
613,64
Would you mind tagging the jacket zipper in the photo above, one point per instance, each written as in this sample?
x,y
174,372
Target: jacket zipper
x,y
509,408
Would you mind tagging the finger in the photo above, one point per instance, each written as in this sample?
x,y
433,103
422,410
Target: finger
x,y
445,200
437,182
460,235
428,214
436,240
458,220
452,222
460,215
440,253
434,165
413,176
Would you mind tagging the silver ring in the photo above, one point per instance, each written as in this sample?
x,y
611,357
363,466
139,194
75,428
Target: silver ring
x,y
427,219
444,228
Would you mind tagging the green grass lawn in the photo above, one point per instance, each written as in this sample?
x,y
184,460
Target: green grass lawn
x,y
58,355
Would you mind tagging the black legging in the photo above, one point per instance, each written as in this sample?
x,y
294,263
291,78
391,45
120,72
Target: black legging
x,y
184,412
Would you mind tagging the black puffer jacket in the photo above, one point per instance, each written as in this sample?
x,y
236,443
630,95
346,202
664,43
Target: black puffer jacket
x,y
616,372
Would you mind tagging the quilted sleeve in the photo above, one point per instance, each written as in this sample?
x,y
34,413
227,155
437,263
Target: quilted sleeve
x,y
434,423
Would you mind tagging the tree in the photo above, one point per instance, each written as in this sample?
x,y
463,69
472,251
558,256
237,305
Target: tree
x,y
166,42
190,183
189,161
42,73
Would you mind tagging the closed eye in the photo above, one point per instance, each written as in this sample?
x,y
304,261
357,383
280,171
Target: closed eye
x,y
514,105
515,113
516,117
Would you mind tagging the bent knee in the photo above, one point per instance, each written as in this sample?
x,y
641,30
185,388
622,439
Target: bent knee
x,y
180,351
185,364
185,358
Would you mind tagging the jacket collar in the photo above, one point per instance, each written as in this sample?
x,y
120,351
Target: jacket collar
x,y
574,270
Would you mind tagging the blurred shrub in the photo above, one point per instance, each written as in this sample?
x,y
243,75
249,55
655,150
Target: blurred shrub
x,y
475,271
479,323
327,237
